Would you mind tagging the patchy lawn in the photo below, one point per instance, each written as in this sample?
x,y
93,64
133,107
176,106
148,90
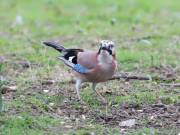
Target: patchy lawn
x,y
38,95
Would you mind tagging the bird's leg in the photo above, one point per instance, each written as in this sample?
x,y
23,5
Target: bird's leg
x,y
94,89
78,84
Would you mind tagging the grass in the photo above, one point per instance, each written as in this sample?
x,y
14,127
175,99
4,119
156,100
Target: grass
x,y
26,124
147,41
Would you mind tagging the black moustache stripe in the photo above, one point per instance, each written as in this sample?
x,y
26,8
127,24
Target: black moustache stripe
x,y
110,51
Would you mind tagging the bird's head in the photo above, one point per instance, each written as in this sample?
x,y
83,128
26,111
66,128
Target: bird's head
x,y
107,47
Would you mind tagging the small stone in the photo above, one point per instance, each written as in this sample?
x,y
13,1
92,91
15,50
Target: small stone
x,y
127,123
122,130
62,122
83,117
140,111
92,133
19,20
68,126
51,104
45,91
151,117
13,88
146,42
127,83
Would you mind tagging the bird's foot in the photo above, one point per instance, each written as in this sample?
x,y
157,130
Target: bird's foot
x,y
102,99
104,102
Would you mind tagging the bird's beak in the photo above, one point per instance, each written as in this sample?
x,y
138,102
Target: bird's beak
x,y
105,49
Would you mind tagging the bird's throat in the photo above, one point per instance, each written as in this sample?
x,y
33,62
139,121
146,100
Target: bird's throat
x,y
104,57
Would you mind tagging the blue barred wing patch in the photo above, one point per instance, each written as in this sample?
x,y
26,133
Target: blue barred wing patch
x,y
79,68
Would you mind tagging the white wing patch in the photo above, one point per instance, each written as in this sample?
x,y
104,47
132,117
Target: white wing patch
x,y
71,58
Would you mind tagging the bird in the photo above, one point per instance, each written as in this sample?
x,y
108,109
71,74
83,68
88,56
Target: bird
x,y
89,66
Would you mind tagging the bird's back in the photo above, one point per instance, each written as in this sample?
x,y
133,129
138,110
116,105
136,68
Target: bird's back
x,y
87,59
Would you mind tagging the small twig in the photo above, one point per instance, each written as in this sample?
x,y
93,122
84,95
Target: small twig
x,y
171,85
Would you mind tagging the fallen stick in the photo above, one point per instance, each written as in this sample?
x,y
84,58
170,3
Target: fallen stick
x,y
170,85
135,77
127,77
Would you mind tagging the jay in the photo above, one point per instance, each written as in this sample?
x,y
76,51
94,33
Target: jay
x,y
89,66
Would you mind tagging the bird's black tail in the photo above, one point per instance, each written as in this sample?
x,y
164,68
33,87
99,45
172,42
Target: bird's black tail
x,y
68,54
55,45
